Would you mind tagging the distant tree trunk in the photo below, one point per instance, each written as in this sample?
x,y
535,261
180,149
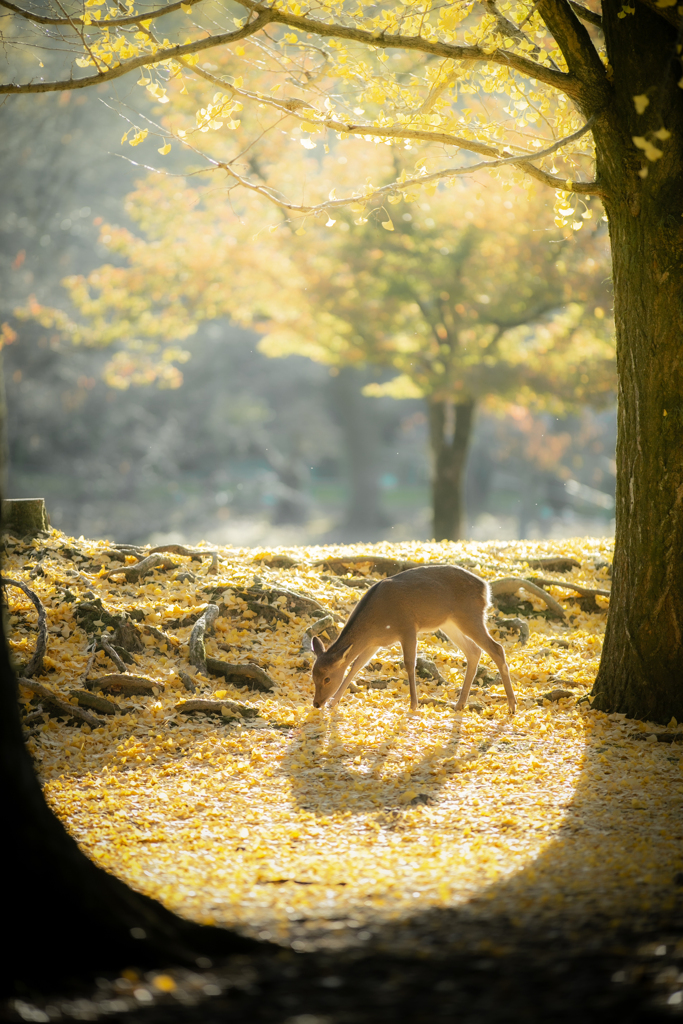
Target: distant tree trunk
x,y
359,429
4,440
450,430
640,670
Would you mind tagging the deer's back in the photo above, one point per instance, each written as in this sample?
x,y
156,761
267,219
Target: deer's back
x,y
422,598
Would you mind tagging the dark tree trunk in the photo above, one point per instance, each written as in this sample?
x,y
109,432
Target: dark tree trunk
x,y
450,429
359,429
70,917
640,671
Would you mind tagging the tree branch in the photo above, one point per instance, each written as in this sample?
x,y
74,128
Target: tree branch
x,y
585,14
144,60
299,107
511,31
587,187
576,45
132,19
557,79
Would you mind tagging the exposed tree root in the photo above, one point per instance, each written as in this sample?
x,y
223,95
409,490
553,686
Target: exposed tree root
x,y
187,681
147,565
105,646
60,706
225,708
204,622
379,563
241,675
552,564
95,702
164,638
426,669
326,624
511,584
584,591
127,683
277,561
520,625
554,695
297,603
35,665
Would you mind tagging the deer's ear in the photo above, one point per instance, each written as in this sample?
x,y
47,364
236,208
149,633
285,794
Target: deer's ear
x,y
317,645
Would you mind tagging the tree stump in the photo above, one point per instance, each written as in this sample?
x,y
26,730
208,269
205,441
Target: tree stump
x,y
24,516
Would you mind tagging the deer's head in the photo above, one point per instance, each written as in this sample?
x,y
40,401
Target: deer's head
x,y
328,670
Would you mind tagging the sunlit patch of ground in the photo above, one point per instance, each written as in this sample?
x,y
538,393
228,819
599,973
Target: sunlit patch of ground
x,y
312,827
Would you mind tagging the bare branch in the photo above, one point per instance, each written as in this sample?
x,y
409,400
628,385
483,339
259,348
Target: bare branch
x,y
144,60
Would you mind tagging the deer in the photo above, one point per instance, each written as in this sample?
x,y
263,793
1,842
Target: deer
x,y
396,610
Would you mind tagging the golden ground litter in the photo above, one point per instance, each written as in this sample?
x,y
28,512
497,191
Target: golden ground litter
x,y
306,826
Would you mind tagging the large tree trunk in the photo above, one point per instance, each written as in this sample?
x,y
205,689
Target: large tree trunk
x,y
450,429
640,671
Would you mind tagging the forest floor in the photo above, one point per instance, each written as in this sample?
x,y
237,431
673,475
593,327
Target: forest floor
x,y
473,864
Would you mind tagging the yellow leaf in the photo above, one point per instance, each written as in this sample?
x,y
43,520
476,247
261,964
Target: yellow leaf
x,y
388,225
164,149
663,134
238,82
186,7
164,982
641,103
300,231
651,152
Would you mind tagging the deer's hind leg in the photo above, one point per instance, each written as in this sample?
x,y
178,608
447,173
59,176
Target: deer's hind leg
x,y
472,653
477,631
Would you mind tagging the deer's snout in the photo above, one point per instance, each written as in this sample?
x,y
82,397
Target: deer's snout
x,y
316,703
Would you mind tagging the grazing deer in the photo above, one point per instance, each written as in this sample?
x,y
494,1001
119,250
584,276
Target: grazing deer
x,y
419,600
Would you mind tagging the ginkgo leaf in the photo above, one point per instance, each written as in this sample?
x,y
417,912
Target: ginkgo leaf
x,y
308,143
388,225
164,149
641,103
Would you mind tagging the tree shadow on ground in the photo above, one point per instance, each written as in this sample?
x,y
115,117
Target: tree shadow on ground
x,y
613,860
337,781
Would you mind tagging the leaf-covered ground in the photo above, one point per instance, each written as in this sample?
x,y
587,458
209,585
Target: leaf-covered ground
x,y
318,829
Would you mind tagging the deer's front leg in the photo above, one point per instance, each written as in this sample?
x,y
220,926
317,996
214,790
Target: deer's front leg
x,y
409,645
356,665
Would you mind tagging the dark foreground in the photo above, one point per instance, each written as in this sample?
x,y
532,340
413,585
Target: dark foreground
x,y
579,978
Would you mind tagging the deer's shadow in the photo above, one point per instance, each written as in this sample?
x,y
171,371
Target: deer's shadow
x,y
330,770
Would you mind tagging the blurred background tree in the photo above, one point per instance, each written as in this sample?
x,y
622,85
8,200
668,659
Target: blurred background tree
x,y
477,300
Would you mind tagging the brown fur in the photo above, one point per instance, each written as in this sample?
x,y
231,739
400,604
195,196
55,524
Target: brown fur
x,y
395,610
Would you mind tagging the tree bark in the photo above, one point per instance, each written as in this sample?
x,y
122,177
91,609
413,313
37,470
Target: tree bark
x,y
450,429
640,670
